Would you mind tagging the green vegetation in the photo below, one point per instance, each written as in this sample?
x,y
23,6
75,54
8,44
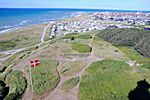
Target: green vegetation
x,y
17,85
108,80
85,36
20,38
57,49
18,56
76,36
133,54
45,77
73,34
138,38
3,90
106,50
146,65
81,48
6,45
72,68
70,84
67,37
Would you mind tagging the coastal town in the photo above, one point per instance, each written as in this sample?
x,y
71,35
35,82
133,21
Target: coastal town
x,y
73,58
99,21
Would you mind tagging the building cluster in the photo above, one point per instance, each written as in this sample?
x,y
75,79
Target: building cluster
x,y
101,21
131,18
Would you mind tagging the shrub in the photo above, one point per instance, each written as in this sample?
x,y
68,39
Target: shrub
x,y
5,45
17,85
137,38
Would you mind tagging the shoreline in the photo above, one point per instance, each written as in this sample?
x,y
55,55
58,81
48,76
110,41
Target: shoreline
x,y
16,28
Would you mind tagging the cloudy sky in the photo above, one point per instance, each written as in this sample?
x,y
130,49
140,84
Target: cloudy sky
x,y
90,4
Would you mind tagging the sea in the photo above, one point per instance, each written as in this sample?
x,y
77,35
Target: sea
x,y
11,18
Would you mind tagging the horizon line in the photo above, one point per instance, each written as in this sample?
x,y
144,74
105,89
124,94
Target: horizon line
x,y
135,10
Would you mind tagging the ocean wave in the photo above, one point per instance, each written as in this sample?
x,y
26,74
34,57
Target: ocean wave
x,y
23,22
3,31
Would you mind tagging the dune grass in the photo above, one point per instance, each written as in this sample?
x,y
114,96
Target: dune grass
x,y
133,54
106,50
76,36
84,36
67,37
21,37
44,77
72,68
70,84
17,85
108,80
81,48
6,45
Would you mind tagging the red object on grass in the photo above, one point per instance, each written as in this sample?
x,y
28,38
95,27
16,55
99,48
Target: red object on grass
x,y
34,63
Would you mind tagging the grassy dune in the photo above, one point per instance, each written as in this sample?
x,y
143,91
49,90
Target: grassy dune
x,y
106,50
17,85
133,54
72,68
44,77
108,80
70,84
81,48
22,37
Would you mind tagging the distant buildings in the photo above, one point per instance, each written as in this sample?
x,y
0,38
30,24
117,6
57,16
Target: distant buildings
x,y
100,21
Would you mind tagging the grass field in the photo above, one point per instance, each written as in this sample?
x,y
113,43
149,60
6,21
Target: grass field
x,y
85,36
106,50
22,37
133,54
44,77
58,49
72,68
108,80
6,45
70,84
17,85
81,48
76,36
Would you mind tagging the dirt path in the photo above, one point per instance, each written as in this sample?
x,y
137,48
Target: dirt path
x,y
44,32
59,94
10,53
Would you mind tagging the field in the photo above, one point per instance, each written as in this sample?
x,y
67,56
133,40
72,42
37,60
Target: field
x,y
106,50
85,36
57,49
17,85
5,45
81,48
133,54
69,84
108,80
22,37
72,68
44,77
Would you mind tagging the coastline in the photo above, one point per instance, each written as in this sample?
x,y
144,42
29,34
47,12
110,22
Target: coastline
x,y
21,27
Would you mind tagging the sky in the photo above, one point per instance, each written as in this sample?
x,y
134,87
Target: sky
x,y
88,4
